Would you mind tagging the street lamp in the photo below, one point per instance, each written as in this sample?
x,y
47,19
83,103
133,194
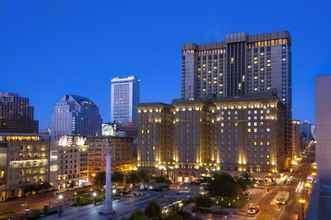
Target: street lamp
x,y
307,185
302,203
94,194
75,197
60,198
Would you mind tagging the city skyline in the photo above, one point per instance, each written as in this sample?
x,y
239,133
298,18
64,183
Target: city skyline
x,y
156,111
74,62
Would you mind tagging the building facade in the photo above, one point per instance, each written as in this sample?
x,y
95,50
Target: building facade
x,y
79,159
72,162
155,135
122,154
323,149
296,139
16,114
75,115
193,136
241,64
124,99
24,163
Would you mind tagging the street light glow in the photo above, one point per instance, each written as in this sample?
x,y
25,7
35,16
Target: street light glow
x,y
94,194
302,201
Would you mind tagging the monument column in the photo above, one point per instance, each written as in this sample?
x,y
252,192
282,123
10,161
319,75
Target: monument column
x,y
107,205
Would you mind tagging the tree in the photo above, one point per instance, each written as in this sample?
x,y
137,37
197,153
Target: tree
x,y
117,177
244,180
153,211
100,180
133,177
204,202
138,215
162,179
144,176
173,216
223,184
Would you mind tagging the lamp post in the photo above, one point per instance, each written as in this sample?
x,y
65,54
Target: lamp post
x,y
60,207
75,197
94,194
302,207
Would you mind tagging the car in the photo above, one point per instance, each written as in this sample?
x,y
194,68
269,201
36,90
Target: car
x,y
252,211
281,201
282,197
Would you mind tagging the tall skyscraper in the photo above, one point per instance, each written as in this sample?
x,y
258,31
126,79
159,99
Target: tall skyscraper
x,y
124,99
239,65
75,115
307,130
323,149
16,114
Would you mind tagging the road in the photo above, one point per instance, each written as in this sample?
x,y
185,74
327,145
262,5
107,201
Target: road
x,y
123,209
18,206
270,211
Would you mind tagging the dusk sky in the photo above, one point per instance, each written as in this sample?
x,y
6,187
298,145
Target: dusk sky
x,y
52,48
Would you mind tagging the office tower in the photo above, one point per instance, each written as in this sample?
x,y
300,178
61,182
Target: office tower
x,y
16,115
296,139
230,133
239,65
307,130
323,149
24,163
124,99
75,115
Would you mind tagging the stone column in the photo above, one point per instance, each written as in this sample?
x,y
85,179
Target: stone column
x,y
107,205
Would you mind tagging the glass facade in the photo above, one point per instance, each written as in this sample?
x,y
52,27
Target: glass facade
x,y
124,99
75,115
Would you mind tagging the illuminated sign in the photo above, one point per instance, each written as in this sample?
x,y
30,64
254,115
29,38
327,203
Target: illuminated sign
x,y
109,129
66,141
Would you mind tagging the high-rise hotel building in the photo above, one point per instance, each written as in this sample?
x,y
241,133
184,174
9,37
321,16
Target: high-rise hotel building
x,y
229,133
240,65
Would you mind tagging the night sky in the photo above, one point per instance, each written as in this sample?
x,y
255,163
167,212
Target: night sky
x,y
52,48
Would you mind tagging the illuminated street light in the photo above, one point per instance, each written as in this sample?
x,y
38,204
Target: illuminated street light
x,y
94,194
60,207
307,185
60,197
302,201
